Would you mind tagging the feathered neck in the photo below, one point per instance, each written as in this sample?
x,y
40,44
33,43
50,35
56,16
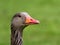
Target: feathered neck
x,y
16,35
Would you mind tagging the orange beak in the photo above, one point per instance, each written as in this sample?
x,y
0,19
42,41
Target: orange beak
x,y
30,20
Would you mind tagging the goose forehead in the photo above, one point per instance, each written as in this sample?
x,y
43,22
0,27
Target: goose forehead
x,y
25,13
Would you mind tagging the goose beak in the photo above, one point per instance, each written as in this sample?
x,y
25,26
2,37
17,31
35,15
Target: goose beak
x,y
30,20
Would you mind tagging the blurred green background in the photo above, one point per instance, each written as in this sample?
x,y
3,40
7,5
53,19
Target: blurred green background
x,y
46,11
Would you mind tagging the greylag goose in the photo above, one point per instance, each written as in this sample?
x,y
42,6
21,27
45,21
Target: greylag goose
x,y
19,22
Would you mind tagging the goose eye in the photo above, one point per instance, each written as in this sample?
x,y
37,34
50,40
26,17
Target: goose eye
x,y
19,16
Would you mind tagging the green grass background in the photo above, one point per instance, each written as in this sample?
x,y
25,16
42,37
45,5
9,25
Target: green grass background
x,y
46,11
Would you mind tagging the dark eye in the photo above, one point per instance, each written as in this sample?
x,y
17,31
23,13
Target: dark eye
x,y
19,16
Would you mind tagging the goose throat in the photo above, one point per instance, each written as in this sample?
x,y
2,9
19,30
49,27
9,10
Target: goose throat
x,y
16,36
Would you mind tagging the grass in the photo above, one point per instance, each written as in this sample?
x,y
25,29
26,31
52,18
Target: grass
x,y
46,11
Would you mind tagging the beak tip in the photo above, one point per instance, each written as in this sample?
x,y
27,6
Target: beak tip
x,y
38,22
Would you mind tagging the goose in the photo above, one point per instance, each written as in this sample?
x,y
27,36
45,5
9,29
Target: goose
x,y
18,23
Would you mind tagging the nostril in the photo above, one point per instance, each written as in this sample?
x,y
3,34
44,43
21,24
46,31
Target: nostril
x,y
31,19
